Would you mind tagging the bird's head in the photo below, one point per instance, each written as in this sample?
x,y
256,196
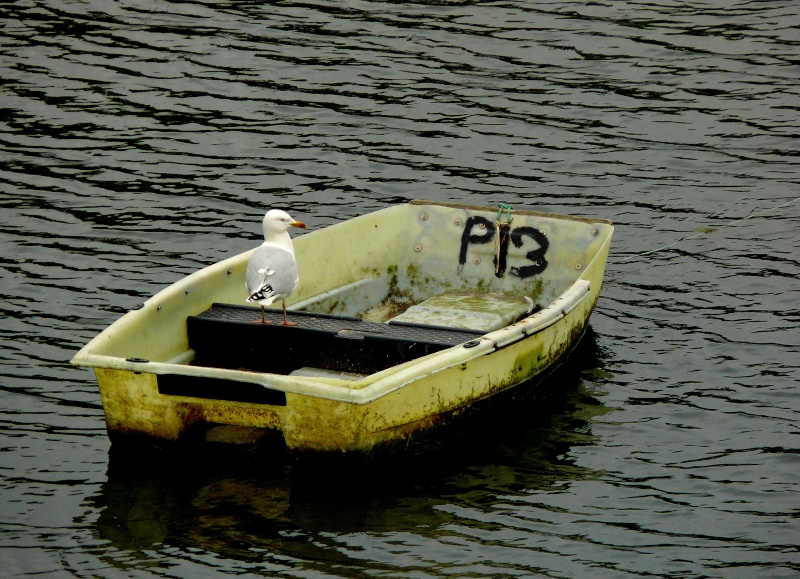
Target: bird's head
x,y
278,221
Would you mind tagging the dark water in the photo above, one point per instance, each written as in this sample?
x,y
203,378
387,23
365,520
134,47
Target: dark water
x,y
142,140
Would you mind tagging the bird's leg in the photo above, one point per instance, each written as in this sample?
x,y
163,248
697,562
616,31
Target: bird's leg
x,y
263,320
285,321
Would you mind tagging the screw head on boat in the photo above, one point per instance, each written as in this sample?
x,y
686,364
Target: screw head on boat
x,y
418,248
578,265
458,221
423,216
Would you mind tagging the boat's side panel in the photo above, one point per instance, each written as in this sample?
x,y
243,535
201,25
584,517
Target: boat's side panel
x,y
322,425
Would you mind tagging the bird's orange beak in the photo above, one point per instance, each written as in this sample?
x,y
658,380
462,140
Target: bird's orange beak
x,y
299,224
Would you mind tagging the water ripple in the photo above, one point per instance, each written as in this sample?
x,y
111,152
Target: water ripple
x,y
140,142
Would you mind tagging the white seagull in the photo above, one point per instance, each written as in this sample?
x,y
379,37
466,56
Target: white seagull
x,y
272,269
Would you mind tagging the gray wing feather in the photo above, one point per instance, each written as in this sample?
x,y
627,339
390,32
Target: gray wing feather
x,y
273,267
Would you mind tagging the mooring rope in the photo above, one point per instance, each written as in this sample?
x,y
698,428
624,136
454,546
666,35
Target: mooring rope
x,y
498,227
711,230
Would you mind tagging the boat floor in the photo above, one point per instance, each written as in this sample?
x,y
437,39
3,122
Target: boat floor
x,y
231,336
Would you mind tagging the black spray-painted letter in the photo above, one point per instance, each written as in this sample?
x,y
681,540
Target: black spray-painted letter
x,y
536,255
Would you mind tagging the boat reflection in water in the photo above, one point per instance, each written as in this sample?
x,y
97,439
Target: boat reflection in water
x,y
248,511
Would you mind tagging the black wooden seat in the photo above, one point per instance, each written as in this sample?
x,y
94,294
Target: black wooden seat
x,y
229,336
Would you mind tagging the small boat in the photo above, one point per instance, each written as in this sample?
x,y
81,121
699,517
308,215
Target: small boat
x,y
408,318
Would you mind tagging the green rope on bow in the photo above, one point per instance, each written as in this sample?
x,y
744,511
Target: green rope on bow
x,y
501,231
508,208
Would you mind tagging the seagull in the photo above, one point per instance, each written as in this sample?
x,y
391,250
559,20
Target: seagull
x,y
272,269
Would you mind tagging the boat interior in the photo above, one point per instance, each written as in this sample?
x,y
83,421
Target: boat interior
x,y
375,292
231,336
450,275
333,345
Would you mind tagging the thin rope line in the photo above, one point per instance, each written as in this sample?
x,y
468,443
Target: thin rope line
x,y
713,230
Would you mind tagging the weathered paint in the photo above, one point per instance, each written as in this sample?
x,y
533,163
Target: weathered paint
x,y
383,263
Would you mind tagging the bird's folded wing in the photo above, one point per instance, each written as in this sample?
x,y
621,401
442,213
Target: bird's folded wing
x,y
271,270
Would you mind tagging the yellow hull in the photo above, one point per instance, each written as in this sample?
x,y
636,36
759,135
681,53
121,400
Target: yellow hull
x,y
371,267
